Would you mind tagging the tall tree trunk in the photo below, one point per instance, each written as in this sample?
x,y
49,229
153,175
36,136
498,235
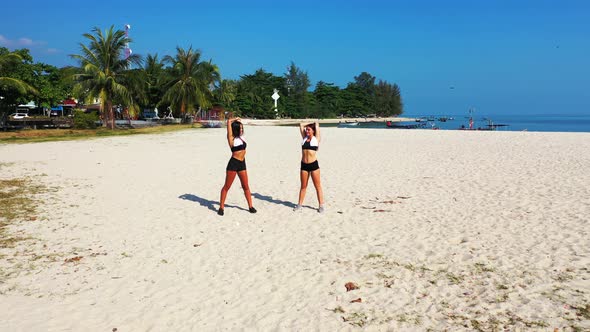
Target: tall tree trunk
x,y
111,115
104,115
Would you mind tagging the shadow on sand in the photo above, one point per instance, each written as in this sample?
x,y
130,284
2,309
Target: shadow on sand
x,y
207,203
272,200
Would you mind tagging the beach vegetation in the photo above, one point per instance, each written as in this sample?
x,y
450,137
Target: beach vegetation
x,y
83,120
370,256
563,276
297,99
154,78
225,95
18,202
501,287
190,81
466,312
338,309
254,91
104,71
364,97
481,268
9,62
328,100
515,320
502,298
491,324
180,85
409,318
582,310
13,86
453,278
359,319
409,267
35,136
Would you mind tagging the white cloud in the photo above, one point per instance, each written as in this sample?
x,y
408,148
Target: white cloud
x,y
4,41
21,42
33,45
25,42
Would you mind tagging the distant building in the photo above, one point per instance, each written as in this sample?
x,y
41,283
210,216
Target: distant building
x,y
216,113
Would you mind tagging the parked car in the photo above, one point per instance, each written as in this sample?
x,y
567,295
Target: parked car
x,y
18,115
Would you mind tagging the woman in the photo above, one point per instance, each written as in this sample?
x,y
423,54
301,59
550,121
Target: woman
x,y
237,163
309,163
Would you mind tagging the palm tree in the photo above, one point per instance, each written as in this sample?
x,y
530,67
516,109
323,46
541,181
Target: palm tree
x,y
191,82
226,92
104,68
8,60
154,79
11,88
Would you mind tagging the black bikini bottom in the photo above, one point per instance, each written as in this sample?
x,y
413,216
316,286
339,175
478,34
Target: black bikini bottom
x,y
236,165
310,167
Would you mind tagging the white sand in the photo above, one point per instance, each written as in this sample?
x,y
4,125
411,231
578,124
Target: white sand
x,y
440,229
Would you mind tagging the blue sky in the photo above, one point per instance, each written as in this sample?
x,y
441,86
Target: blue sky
x,y
497,56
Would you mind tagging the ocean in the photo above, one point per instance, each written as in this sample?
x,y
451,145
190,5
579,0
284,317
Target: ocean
x,y
529,122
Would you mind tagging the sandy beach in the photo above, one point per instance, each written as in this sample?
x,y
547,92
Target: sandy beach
x,y
439,230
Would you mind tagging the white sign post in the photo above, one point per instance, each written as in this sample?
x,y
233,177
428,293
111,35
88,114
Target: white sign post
x,y
276,97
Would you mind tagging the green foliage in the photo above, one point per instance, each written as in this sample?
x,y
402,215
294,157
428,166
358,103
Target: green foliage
x,y
48,81
225,95
296,100
388,100
185,83
328,100
104,73
355,101
15,77
85,120
154,77
190,81
254,94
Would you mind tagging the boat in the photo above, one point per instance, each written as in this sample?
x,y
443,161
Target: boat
x,y
348,124
405,125
490,126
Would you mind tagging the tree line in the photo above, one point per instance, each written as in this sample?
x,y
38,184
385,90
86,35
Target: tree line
x,y
185,83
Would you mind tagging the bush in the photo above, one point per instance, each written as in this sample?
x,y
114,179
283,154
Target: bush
x,y
85,120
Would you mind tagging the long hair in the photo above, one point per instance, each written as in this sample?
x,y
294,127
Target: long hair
x,y
312,126
236,128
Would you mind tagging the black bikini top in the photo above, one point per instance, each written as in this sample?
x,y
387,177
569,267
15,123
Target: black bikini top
x,y
239,144
312,144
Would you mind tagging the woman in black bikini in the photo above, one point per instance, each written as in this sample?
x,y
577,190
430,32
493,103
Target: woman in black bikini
x,y
237,163
309,163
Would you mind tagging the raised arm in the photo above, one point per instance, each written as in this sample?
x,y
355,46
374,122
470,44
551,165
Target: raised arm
x,y
317,131
230,136
302,129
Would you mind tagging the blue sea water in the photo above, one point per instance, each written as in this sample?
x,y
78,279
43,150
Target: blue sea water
x,y
529,122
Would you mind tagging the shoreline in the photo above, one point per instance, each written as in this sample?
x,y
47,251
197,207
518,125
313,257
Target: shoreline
x,y
282,122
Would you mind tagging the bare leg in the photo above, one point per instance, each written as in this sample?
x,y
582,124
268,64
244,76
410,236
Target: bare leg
x,y
315,177
304,179
243,175
229,179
